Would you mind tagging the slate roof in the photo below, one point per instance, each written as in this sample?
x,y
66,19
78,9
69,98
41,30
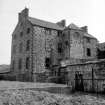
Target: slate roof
x,y
73,26
101,46
43,23
4,69
88,35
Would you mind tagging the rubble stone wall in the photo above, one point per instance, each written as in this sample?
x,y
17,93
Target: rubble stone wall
x,y
22,27
86,71
76,44
44,45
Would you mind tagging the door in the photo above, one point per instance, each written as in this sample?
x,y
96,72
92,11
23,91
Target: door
x,y
79,86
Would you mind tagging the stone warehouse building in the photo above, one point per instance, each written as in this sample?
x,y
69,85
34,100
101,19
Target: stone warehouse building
x,y
101,51
40,47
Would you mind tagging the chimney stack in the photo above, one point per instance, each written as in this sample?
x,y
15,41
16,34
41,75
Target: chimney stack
x,y
85,28
62,23
23,14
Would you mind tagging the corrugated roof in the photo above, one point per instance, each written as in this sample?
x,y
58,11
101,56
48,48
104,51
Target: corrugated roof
x,y
43,23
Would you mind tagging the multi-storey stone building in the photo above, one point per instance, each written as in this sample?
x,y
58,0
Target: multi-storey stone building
x,y
38,46
101,51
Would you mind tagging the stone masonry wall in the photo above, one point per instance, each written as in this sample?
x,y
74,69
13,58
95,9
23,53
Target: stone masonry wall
x,y
44,44
76,44
22,27
86,71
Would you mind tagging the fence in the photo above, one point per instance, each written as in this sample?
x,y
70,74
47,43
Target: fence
x,y
90,85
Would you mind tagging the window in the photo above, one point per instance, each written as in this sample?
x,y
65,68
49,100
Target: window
x,y
59,33
28,45
13,65
63,35
88,52
28,30
20,64
48,31
60,48
20,47
47,62
66,43
88,40
21,34
15,36
77,35
14,49
27,63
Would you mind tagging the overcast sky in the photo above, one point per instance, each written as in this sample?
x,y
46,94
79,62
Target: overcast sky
x,y
79,12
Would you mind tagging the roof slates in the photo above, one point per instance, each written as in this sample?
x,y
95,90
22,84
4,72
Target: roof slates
x,y
46,24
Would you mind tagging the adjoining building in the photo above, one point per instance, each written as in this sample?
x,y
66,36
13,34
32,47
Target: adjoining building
x,y
39,47
101,51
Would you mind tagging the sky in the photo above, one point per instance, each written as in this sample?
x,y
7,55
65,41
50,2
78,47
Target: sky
x,y
80,12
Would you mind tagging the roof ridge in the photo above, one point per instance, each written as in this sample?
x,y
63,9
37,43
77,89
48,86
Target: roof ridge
x,y
44,23
42,20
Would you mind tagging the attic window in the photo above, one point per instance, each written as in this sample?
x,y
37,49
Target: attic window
x,y
28,30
